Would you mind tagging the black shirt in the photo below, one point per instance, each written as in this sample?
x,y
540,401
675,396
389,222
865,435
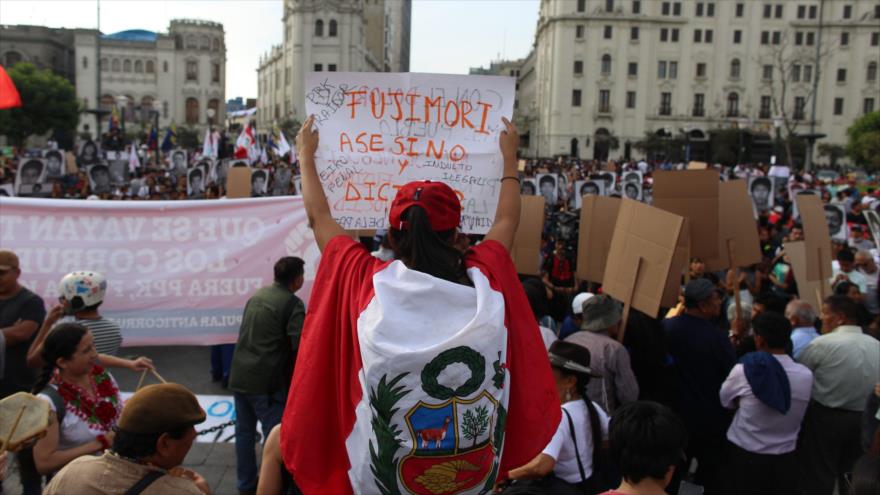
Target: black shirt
x,y
25,306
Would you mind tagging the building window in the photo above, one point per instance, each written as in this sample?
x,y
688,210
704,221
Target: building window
x,y
844,39
664,8
798,38
331,67
813,11
165,66
661,69
838,106
287,75
808,73
214,105
637,7
581,5
609,5
740,9
665,103
319,28
606,64
701,69
192,111
777,37
215,72
216,44
698,35
871,73
811,38
699,105
710,10
733,105
768,11
664,34
765,37
604,100
579,32
204,42
606,32
674,35
795,73
634,33
738,35
767,72
699,9
875,39
630,99
85,62
150,67
779,11
847,11
708,35
331,31
868,105
676,8
319,67
764,112
126,65
673,70
165,109
578,67
104,65
734,68
116,65
192,70
191,43
801,11
800,104
841,75
138,67
576,98
632,69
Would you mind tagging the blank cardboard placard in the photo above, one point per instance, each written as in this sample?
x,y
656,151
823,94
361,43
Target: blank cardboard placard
x,y
809,290
643,233
526,249
697,166
733,225
676,268
598,216
816,238
692,194
238,182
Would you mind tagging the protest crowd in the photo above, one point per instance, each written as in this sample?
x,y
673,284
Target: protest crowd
x,y
747,385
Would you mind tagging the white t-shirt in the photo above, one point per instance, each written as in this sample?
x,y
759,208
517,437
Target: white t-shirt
x,y
548,336
561,446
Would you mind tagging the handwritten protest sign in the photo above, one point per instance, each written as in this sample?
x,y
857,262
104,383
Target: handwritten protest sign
x,y
381,131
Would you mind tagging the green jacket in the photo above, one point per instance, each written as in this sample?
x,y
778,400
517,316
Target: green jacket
x,y
268,341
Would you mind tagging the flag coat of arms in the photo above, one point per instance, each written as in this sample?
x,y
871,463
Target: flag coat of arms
x,y
410,384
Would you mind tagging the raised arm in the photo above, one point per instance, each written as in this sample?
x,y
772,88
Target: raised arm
x,y
507,215
317,209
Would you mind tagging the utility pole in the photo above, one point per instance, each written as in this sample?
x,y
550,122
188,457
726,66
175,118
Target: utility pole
x,y
811,138
98,70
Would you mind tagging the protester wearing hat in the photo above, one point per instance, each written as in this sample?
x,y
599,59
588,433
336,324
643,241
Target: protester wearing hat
x,y
573,322
21,314
702,356
601,321
153,436
573,452
386,331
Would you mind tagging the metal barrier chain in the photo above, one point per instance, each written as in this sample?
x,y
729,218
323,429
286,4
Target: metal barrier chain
x,y
219,427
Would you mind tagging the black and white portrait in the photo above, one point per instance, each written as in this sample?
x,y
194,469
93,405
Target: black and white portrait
x,y
281,181
529,186
88,154
31,173
835,215
118,172
587,188
259,182
240,163
632,176
54,160
99,179
177,166
547,187
562,188
218,171
873,219
632,190
195,182
607,178
761,190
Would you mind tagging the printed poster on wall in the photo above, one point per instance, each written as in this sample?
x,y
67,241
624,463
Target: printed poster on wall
x,y
381,131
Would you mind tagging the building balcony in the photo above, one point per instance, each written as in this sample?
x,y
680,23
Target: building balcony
x,y
603,112
664,111
698,112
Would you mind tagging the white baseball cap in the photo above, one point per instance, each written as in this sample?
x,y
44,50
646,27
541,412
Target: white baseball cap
x,y
577,305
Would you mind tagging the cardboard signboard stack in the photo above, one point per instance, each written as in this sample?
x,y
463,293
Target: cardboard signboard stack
x,y
526,250
816,238
692,194
238,183
738,243
598,218
809,290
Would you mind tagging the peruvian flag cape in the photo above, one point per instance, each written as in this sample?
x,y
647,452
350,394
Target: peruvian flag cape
x,y
406,383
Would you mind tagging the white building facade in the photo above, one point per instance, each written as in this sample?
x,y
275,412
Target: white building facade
x,y
178,76
329,35
604,71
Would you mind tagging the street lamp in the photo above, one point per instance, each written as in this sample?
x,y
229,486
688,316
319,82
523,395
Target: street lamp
x,y
777,124
122,102
211,112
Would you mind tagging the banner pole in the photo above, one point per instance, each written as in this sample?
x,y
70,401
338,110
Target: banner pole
x,y
627,305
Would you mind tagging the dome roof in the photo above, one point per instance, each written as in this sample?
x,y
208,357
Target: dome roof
x,y
132,35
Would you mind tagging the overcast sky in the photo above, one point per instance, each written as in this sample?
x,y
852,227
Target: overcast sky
x,y
448,36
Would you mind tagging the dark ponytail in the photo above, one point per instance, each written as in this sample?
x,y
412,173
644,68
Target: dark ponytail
x,y
61,342
422,249
595,425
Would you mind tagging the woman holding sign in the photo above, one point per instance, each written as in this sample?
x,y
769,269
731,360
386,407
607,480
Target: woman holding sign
x,y
413,373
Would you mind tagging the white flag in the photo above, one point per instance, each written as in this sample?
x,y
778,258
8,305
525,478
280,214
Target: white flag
x,y
283,146
208,148
133,162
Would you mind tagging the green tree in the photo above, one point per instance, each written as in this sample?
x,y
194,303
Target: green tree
x,y
290,127
833,152
48,103
864,141
655,147
474,425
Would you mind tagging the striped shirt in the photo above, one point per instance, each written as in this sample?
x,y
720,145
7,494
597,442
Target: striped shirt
x,y
107,334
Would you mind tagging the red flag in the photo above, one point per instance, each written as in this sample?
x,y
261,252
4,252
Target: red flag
x,y
9,97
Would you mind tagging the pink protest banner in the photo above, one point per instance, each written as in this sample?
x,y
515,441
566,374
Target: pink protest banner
x,y
380,131
178,272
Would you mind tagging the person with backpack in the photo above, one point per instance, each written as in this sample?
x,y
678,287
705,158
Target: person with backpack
x,y
569,463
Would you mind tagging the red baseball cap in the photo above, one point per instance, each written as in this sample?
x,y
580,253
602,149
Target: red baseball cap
x,y
439,201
